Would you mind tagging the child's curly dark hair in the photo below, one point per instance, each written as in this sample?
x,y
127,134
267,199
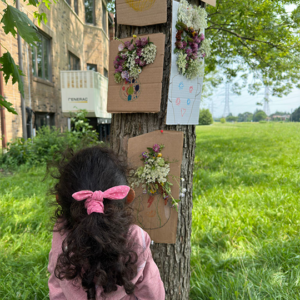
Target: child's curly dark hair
x,y
96,249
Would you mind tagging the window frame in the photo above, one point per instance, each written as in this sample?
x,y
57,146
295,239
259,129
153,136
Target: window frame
x,y
93,12
105,72
48,41
93,65
104,18
70,55
76,6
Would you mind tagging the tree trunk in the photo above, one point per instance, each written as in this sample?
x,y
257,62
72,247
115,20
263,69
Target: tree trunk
x,y
173,261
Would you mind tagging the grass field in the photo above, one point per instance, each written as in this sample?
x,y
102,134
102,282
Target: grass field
x,y
246,218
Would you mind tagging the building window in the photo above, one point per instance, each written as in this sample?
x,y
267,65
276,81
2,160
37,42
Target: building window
x,y
41,65
104,20
76,6
89,6
74,62
91,67
44,119
105,73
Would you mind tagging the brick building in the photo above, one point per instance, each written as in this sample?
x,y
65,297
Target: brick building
x,y
76,37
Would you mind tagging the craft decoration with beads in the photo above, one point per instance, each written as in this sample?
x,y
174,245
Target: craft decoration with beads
x,y
132,57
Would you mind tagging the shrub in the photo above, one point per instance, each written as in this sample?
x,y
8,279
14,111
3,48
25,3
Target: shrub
x,y
205,117
223,120
259,115
49,143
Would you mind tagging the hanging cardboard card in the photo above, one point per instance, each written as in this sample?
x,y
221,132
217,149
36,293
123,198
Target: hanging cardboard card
x,y
147,88
141,12
155,216
211,2
184,94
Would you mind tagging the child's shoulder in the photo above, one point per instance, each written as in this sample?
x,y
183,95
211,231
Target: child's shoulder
x,y
139,237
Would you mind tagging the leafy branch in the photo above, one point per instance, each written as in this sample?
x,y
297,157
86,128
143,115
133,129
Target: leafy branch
x,y
15,21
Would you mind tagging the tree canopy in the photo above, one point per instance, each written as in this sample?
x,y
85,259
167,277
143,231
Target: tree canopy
x,y
295,117
258,37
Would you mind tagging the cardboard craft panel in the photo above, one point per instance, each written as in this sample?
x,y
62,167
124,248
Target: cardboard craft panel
x,y
151,213
211,2
141,12
184,94
149,82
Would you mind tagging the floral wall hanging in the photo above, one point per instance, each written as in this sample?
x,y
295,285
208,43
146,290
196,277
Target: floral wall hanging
x,y
156,181
191,45
135,74
132,57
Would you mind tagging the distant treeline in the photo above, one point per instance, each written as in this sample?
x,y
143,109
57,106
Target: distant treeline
x,y
260,115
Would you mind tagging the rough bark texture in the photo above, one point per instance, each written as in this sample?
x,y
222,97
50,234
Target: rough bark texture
x,y
173,260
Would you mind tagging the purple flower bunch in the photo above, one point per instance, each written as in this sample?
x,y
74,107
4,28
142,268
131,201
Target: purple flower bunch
x,y
188,41
130,61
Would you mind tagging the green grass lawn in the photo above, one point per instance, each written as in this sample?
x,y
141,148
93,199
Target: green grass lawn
x,y
246,218
25,235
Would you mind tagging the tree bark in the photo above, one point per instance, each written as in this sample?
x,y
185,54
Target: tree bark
x,y
173,261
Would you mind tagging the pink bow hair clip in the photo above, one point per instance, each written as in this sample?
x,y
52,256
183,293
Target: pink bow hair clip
x,y
94,200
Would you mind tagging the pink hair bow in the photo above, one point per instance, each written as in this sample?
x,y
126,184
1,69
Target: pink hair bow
x,y
94,200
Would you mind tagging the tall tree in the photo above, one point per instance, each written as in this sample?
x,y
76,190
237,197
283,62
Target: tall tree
x,y
172,260
258,37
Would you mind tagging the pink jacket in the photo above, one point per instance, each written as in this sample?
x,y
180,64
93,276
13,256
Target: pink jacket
x,y
148,281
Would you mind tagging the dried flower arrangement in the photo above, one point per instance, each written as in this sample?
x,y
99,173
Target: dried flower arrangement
x,y
191,45
132,57
154,175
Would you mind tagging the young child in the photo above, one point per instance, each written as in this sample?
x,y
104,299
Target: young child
x,y
97,252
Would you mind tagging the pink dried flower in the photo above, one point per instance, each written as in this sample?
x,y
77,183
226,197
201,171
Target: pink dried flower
x,y
139,51
127,44
137,61
142,63
197,40
121,47
156,148
194,47
119,69
144,41
138,42
179,45
184,44
131,47
202,37
204,54
188,51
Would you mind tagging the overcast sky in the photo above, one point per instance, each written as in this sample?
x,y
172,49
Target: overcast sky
x,y
246,102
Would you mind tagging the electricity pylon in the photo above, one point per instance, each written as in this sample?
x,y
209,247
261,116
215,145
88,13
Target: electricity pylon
x,y
227,100
266,101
